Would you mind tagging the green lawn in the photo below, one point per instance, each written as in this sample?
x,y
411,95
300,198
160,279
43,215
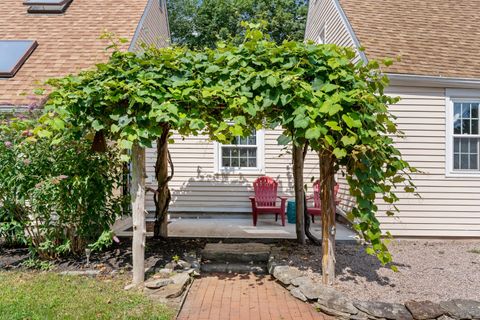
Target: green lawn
x,y
32,295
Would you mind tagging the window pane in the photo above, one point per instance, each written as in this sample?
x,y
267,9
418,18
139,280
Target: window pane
x,y
457,110
466,126
456,161
474,127
465,110
243,152
474,145
464,145
456,145
252,162
457,126
475,110
243,162
234,162
464,161
225,162
473,161
225,152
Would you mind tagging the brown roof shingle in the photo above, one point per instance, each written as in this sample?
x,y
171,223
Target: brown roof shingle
x,y
432,37
66,43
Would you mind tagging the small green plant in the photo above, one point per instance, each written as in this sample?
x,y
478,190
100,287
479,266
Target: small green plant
x,y
176,258
33,263
476,251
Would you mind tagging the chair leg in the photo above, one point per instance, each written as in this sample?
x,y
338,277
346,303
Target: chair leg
x,y
313,218
283,218
276,217
254,214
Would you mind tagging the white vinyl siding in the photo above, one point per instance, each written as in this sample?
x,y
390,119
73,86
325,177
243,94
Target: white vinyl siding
x,y
196,187
450,206
324,17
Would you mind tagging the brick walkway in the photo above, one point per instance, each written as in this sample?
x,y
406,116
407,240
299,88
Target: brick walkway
x,y
243,297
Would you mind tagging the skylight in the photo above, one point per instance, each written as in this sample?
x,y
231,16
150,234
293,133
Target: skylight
x,y
14,53
47,6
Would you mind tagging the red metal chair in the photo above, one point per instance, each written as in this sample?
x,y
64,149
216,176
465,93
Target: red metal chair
x,y
265,199
316,210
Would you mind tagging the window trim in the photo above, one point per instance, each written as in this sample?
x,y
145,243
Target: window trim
x,y
452,96
259,169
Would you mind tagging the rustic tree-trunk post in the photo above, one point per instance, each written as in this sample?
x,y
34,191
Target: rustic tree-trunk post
x,y
137,193
327,178
162,196
298,164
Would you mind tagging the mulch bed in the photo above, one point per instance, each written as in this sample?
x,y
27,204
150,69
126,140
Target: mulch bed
x,y
117,258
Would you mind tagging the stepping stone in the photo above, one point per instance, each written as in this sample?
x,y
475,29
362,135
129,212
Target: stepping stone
x,y
236,252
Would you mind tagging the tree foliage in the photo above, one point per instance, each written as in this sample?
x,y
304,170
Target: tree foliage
x,y
199,24
315,92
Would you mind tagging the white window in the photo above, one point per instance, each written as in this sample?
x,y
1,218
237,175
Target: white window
x,y
321,35
243,155
463,136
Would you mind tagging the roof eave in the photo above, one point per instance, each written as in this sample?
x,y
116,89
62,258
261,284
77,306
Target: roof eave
x,y
433,81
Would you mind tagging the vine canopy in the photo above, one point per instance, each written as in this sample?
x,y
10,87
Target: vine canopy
x,y
316,93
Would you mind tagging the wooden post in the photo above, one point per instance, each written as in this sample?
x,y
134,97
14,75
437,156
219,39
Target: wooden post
x,y
137,192
162,196
327,178
298,163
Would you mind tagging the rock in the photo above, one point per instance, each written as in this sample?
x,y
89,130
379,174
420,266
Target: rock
x,y
327,297
300,280
462,308
359,316
165,272
422,310
286,274
184,264
444,317
172,290
298,294
157,283
394,311
332,312
171,265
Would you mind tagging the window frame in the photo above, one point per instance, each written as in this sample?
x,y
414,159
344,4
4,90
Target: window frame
x,y
47,8
453,96
259,169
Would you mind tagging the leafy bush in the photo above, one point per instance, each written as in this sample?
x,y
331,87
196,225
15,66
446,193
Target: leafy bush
x,y
59,194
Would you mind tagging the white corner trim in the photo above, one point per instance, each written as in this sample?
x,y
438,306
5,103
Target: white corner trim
x,y
139,28
453,95
350,30
259,170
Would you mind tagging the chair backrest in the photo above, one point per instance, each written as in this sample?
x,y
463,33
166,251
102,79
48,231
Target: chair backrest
x,y
265,189
316,193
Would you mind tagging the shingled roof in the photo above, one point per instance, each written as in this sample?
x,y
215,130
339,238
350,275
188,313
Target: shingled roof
x,y
66,42
432,37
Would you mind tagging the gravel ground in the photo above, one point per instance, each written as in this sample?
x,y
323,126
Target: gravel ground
x,y
428,270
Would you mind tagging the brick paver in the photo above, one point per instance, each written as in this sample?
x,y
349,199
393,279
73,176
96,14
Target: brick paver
x,y
243,297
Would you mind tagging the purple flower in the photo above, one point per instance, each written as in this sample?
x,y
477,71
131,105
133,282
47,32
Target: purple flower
x,y
62,177
8,144
27,161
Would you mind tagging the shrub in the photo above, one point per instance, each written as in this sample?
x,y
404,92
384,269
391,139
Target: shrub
x,y
60,194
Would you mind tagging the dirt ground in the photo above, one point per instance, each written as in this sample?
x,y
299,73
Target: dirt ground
x,y
428,270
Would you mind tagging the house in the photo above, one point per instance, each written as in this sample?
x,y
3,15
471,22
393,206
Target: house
x,y
52,38
438,81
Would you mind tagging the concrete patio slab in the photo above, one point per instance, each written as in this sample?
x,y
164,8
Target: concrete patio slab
x,y
236,228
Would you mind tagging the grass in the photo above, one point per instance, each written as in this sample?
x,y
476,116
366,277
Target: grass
x,y
477,251
48,295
